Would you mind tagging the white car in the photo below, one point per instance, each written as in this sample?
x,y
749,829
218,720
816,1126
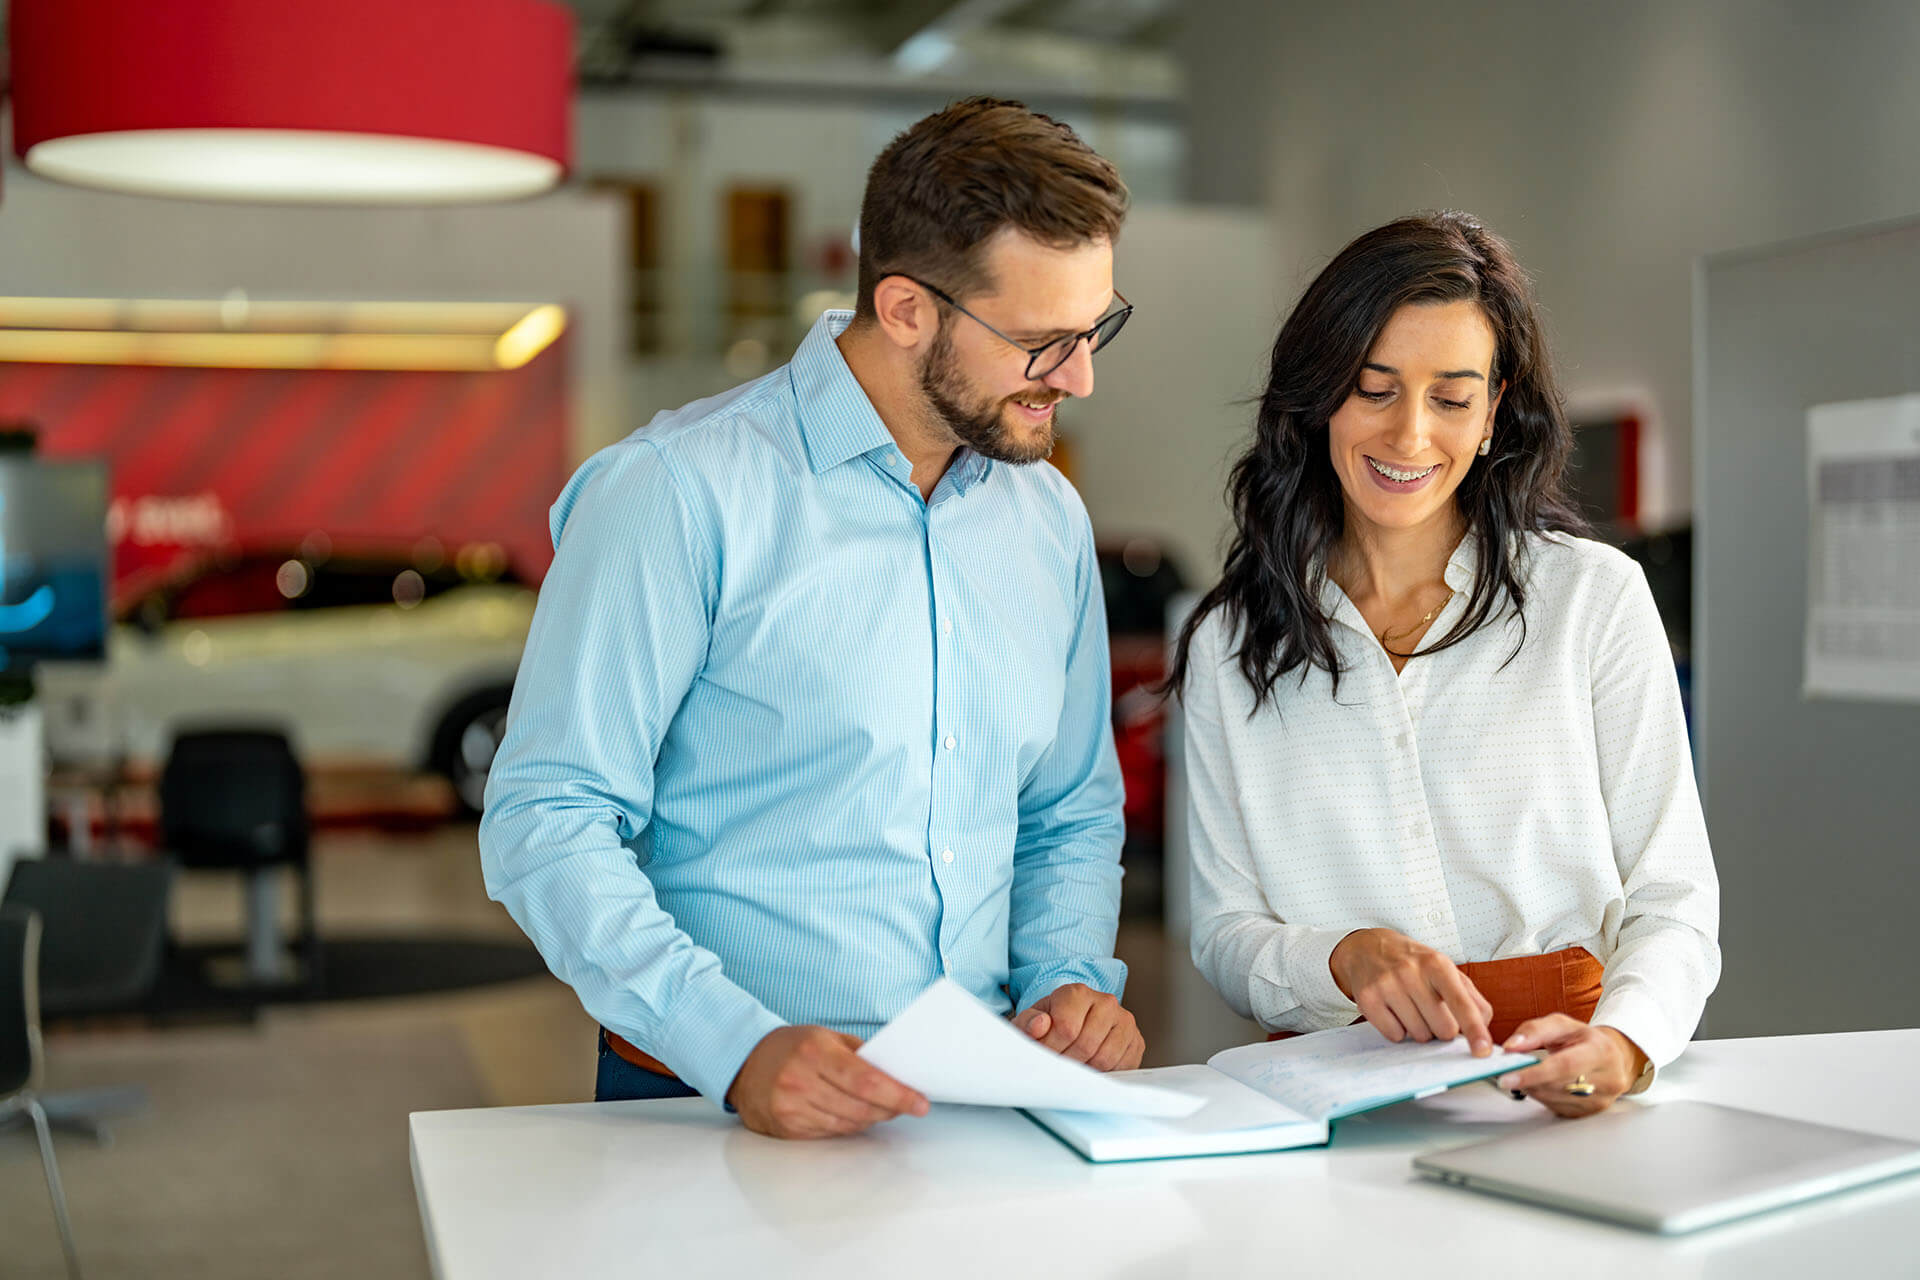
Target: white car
x,y
366,660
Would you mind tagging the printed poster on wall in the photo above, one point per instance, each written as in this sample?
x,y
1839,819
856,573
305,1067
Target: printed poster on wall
x,y
1863,562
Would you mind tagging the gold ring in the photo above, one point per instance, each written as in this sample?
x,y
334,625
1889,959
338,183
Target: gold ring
x,y
1581,1087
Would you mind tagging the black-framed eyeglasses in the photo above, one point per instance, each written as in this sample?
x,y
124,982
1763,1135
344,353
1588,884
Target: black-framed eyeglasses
x,y
1044,359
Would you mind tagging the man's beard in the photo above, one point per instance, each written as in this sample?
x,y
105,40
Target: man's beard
x,y
979,421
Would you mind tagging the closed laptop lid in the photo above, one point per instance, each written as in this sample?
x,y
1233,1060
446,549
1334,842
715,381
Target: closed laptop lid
x,y
1675,1166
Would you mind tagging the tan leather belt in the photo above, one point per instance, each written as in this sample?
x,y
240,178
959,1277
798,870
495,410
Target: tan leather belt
x,y
638,1057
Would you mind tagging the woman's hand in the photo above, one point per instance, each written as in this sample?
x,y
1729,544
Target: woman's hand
x,y
1606,1059
1406,989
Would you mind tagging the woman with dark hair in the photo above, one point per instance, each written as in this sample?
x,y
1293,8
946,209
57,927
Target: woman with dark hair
x,y
1439,770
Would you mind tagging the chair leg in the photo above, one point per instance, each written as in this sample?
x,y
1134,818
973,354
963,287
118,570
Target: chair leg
x,y
88,1110
309,914
263,948
54,1189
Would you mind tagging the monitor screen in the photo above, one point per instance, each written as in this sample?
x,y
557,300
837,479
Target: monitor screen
x,y
53,560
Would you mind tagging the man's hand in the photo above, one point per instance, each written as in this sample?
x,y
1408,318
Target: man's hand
x,y
808,1082
1406,989
1086,1025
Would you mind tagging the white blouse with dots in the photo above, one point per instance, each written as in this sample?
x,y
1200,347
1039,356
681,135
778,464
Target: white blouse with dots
x,y
1487,808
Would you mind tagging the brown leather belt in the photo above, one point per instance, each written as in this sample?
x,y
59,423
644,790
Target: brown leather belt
x,y
638,1057
1527,987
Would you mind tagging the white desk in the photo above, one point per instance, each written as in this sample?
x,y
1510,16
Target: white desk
x,y
676,1189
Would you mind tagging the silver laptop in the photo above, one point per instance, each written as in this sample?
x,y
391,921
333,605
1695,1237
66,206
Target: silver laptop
x,y
1675,1166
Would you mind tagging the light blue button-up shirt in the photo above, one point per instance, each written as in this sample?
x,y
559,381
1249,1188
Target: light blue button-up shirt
x,y
788,742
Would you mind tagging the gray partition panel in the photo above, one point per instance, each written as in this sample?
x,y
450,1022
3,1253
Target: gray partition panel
x,y
1813,805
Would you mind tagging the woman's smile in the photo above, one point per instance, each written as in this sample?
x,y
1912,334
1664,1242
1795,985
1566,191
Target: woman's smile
x,y
1397,479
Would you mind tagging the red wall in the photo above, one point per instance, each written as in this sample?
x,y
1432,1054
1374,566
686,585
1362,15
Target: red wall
x,y
261,458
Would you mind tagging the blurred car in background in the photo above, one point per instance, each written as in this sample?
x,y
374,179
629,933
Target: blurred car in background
x,y
1139,580
392,661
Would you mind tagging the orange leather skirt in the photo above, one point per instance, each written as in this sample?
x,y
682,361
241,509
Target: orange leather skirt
x,y
1530,987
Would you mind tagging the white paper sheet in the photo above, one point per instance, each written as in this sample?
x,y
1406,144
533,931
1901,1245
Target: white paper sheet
x,y
1863,561
952,1048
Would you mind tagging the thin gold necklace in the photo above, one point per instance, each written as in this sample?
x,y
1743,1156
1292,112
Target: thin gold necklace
x,y
1386,637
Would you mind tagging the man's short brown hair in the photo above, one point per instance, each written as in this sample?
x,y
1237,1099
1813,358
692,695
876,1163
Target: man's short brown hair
x,y
943,188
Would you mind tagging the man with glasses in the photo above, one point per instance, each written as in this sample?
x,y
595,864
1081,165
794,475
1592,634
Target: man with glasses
x,y
815,705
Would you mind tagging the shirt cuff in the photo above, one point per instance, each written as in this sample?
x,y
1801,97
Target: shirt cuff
x,y
1307,952
1642,1021
714,1027
1108,975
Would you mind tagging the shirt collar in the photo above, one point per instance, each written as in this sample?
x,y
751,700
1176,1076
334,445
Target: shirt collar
x,y
837,421
967,469
1463,567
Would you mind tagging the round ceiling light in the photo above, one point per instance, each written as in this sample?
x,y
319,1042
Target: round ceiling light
x,y
341,101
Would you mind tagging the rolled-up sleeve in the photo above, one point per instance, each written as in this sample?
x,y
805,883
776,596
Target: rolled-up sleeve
x,y
620,634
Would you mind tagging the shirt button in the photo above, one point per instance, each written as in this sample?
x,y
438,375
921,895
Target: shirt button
x,y
946,626
1414,831
1403,740
951,742
946,855
1436,916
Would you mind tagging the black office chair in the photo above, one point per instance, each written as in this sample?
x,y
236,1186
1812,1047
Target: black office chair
x,y
103,930
236,799
20,1064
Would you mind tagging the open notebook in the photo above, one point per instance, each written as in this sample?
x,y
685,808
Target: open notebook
x,y
1268,1097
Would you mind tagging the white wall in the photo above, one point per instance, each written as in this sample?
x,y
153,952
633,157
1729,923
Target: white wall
x,y
1610,143
1166,417
1148,445
694,145
66,241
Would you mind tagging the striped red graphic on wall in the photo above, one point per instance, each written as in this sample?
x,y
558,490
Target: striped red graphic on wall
x,y
264,458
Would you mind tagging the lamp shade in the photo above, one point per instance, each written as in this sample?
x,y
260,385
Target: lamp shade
x,y
332,101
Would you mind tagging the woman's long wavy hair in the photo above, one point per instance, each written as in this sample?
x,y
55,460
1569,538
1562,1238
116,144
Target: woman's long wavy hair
x,y
1286,498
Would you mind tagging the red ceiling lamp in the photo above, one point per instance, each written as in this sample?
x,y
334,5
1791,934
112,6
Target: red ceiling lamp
x,y
329,101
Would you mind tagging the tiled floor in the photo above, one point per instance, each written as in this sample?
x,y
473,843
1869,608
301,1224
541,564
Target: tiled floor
x,y
280,1149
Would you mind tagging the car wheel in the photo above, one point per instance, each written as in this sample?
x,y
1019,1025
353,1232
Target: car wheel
x,y
470,738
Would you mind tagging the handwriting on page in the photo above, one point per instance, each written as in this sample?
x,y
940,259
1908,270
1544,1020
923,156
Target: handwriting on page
x,y
1325,1078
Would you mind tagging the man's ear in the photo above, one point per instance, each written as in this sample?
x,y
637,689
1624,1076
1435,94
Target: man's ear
x,y
907,314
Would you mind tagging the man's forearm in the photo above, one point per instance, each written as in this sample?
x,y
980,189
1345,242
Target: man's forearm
x,y
1063,918
575,891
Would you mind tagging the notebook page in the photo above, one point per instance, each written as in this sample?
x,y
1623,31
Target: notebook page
x,y
1330,1074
